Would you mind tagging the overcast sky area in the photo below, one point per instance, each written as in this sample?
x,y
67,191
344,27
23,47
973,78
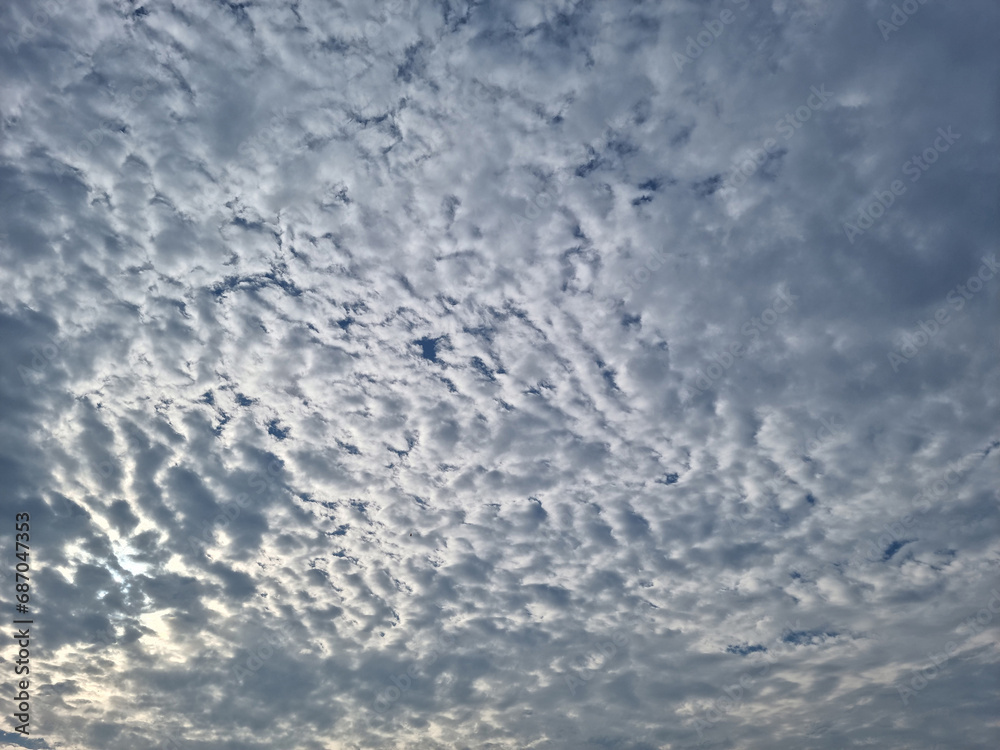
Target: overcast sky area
x,y
505,374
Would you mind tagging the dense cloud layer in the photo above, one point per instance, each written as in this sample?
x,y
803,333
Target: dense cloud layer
x,y
440,374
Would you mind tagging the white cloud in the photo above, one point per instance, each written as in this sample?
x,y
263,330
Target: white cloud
x,y
342,336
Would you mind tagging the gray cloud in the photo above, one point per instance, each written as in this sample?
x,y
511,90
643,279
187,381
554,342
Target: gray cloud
x,y
370,373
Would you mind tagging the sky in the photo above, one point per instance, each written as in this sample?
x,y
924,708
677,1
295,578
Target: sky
x,y
540,374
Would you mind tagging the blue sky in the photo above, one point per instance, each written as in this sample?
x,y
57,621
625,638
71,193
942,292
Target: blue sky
x,y
439,374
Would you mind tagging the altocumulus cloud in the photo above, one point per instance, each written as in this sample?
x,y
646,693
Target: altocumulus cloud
x,y
345,420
